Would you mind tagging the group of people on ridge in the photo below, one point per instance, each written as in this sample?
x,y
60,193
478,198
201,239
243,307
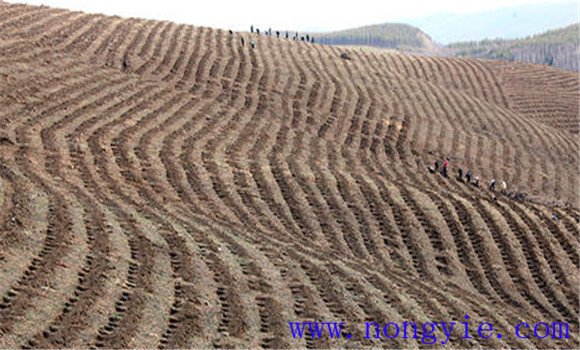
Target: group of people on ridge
x,y
307,38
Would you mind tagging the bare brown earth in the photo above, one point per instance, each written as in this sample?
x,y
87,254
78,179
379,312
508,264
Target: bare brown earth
x,y
163,186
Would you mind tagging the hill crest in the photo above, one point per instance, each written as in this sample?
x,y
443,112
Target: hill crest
x,y
387,35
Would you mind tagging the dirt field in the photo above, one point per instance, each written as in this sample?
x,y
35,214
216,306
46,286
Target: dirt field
x,y
163,186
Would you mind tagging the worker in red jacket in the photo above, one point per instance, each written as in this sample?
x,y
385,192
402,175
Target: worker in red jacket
x,y
445,167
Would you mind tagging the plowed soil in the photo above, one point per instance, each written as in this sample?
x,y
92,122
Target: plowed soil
x,y
163,186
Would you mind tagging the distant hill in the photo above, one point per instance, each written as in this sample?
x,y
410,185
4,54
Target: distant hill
x,y
389,35
558,48
507,23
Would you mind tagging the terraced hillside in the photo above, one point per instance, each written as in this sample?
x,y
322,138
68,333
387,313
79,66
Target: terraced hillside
x,y
163,186
546,95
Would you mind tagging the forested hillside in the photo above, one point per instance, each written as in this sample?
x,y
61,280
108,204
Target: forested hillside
x,y
557,48
388,35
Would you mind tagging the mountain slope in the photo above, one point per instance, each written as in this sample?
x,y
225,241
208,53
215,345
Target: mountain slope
x,y
388,35
164,186
559,48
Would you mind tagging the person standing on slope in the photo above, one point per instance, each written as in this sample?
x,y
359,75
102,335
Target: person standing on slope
x,y
433,169
492,185
445,167
503,187
460,174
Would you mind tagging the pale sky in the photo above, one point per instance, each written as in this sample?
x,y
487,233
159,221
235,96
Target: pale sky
x,y
304,15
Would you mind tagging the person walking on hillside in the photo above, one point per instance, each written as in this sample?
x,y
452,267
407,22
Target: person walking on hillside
x,y
252,29
253,44
277,34
468,176
476,181
126,63
307,38
492,185
503,187
286,34
460,174
435,167
243,42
